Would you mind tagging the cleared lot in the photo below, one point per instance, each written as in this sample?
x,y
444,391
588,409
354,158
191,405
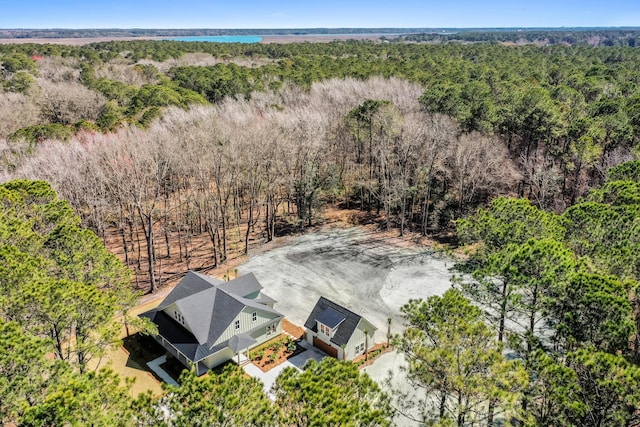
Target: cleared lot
x,y
352,267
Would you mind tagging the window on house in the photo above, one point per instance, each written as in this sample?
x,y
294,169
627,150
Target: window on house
x,y
360,348
254,316
325,330
178,317
271,329
237,324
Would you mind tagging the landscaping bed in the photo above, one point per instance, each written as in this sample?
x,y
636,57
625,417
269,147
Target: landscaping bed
x,y
274,352
373,354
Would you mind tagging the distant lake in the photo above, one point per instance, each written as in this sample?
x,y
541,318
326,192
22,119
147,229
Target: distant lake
x,y
220,39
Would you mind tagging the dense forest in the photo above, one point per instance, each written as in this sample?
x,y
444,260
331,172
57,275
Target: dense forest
x,y
525,155
544,37
422,134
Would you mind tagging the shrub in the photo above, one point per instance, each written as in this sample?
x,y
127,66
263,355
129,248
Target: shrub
x,y
277,346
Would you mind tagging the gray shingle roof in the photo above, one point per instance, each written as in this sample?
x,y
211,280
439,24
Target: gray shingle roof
x,y
241,342
190,284
178,336
242,286
254,303
208,306
197,310
225,309
264,299
345,329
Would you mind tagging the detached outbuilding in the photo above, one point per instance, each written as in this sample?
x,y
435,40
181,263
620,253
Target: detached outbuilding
x,y
338,331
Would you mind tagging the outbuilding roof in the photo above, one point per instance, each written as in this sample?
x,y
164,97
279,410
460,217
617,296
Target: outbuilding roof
x,y
330,317
345,320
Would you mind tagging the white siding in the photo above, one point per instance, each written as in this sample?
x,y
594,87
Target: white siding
x,y
261,334
246,323
218,358
227,354
358,337
324,337
309,335
340,351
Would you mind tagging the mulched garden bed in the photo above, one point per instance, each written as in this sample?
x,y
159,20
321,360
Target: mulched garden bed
x,y
377,351
274,352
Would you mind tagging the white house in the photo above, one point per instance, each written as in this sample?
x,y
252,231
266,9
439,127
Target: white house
x,y
204,321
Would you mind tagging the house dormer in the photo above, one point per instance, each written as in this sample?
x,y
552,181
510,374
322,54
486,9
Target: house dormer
x,y
328,322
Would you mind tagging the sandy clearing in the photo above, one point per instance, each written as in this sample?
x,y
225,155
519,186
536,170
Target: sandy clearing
x,y
363,270
348,266
387,372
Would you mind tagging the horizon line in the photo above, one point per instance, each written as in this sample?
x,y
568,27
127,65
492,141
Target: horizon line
x,y
627,27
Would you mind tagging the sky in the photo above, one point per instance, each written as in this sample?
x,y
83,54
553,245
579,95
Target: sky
x,y
316,14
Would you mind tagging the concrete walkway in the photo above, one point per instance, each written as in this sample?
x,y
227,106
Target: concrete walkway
x,y
269,378
154,365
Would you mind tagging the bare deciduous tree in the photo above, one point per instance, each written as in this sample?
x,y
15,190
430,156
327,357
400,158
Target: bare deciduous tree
x,y
239,169
68,102
17,111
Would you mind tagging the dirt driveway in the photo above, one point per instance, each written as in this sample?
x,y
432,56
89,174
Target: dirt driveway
x,y
352,267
